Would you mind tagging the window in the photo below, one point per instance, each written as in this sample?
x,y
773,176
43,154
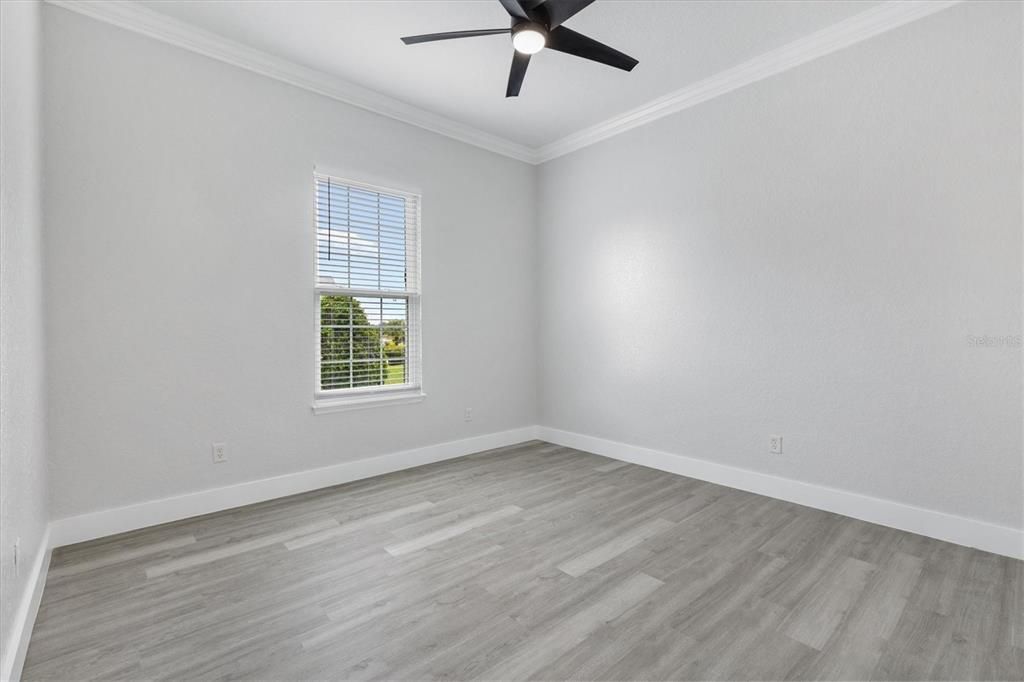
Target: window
x,y
367,291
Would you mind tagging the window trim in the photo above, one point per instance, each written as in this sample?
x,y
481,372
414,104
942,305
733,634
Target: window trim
x,y
361,401
344,399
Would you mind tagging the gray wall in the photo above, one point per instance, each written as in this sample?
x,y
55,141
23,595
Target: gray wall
x,y
808,256
23,490
180,272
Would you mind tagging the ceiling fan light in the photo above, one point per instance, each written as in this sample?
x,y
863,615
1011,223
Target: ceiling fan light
x,y
528,41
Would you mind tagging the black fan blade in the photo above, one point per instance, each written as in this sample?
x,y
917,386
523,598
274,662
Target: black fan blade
x,y
430,37
515,76
558,11
514,8
568,41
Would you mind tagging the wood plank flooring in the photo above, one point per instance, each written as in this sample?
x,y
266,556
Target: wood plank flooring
x,y
528,562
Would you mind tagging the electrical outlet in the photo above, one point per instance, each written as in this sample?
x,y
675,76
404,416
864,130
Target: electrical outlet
x,y
17,551
467,414
775,445
220,453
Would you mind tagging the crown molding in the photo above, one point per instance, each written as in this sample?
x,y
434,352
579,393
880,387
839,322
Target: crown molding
x,y
134,17
855,29
860,27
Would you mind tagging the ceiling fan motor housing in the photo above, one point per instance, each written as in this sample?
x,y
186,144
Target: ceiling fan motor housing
x,y
528,25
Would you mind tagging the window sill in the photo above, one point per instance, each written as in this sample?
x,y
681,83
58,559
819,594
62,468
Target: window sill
x,y
366,400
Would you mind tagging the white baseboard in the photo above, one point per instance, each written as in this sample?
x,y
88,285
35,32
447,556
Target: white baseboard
x,y
956,529
934,524
961,530
25,616
99,524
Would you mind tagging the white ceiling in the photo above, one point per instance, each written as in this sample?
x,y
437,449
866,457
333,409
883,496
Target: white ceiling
x,y
677,42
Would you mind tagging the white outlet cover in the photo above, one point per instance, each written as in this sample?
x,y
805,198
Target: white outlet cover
x,y
220,453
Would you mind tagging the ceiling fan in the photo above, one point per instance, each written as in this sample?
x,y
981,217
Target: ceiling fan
x,y
537,24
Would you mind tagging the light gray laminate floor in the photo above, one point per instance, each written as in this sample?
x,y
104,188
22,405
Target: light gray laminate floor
x,y
533,561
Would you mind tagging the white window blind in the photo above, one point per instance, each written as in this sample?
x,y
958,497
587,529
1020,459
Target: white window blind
x,y
367,283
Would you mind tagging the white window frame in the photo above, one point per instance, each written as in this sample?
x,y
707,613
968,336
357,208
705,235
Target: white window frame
x,y
342,399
